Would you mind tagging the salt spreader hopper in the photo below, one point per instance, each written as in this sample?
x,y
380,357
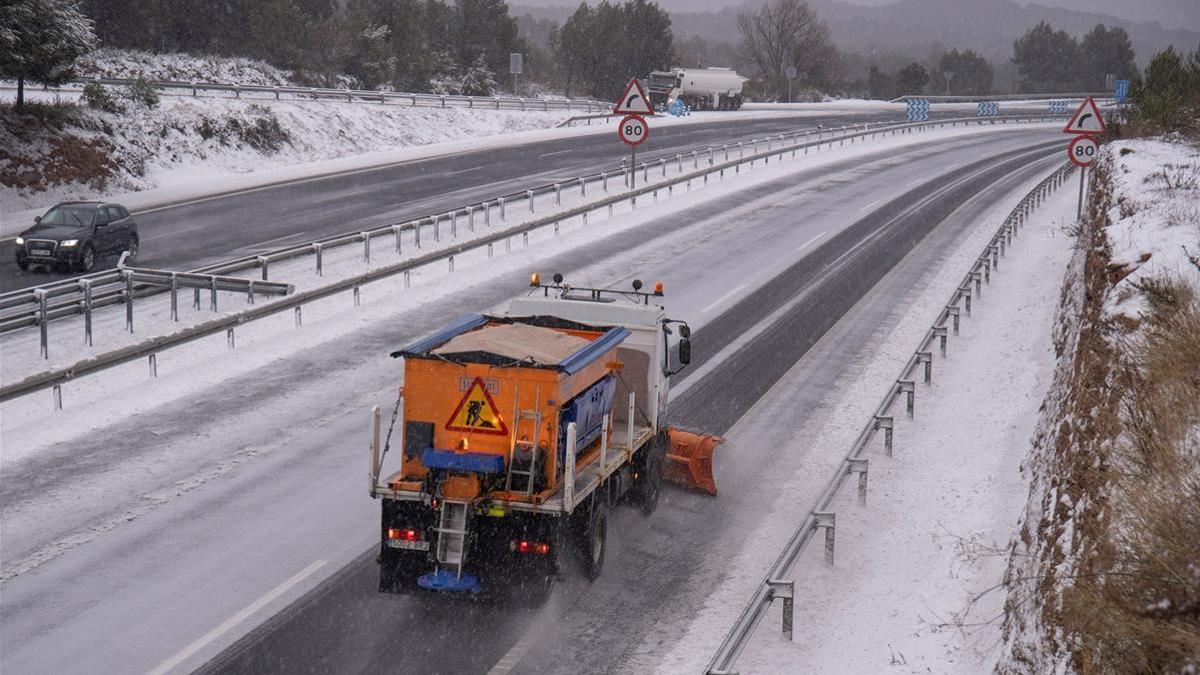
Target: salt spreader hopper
x,y
518,433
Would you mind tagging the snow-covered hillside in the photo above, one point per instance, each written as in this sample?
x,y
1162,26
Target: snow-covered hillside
x,y
74,151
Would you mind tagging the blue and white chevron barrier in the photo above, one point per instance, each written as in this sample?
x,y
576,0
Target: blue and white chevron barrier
x,y
1058,107
918,109
988,108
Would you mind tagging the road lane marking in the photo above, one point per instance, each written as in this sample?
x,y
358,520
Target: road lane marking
x,y
721,299
172,233
868,206
460,171
276,240
913,182
808,243
234,620
514,655
556,152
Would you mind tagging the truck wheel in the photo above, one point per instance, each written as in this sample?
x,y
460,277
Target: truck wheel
x,y
594,541
649,485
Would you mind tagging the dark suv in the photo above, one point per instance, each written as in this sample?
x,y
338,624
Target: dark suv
x,y
75,234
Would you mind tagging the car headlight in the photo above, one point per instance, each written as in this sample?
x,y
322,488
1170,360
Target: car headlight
x,y
20,241
68,243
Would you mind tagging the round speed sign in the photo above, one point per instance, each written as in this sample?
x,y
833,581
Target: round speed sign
x,y
1082,150
633,130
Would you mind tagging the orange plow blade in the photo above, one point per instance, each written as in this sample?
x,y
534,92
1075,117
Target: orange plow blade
x,y
689,460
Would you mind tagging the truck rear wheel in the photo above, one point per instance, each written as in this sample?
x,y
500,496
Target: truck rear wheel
x,y
649,486
594,539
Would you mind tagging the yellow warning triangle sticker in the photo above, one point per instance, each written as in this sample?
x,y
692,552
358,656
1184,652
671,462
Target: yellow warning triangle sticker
x,y
477,413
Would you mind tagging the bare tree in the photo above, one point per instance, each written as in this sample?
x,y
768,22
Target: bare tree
x,y
786,33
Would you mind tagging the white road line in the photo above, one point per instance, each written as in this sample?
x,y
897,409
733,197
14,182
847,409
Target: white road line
x,y
556,152
868,206
172,233
514,655
461,171
721,299
808,243
234,620
913,182
272,241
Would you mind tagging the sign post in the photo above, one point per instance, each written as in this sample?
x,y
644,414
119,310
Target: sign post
x,y
516,65
633,130
791,75
1085,124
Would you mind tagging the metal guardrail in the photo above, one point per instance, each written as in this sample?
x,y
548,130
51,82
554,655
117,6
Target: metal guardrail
x,y
346,95
820,516
23,309
570,121
1003,97
56,377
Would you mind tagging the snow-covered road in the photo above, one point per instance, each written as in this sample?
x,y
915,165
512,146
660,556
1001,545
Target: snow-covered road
x,y
235,500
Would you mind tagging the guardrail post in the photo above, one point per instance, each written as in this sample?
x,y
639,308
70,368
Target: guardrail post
x,y
645,172
437,228
785,589
940,333
263,264
366,237
86,286
695,160
964,292
582,187
454,224
174,296
299,315
43,321
229,337
128,299
828,521
398,230
471,218
357,296
662,163
858,465
977,277
501,202
887,424
153,363
909,389
952,311
57,394
529,195
213,293
927,359
250,293
558,194
604,181
986,263
196,298
317,252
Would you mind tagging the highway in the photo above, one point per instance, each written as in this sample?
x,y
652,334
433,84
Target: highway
x,y
191,234
799,260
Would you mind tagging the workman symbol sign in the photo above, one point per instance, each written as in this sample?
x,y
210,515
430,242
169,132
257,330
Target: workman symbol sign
x,y
477,413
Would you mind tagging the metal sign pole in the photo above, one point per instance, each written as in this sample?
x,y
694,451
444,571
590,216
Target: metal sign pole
x,y
632,166
1079,209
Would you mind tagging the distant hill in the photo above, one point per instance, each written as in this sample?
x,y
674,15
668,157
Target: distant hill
x,y
921,27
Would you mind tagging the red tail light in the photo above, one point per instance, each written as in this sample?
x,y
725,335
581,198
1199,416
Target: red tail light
x,y
403,534
538,547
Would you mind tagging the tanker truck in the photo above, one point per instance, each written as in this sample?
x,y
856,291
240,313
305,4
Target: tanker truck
x,y
697,88
518,432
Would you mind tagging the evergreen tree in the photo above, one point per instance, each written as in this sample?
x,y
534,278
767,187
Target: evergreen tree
x,y
598,49
1104,52
966,73
1168,94
1047,60
478,79
40,40
912,79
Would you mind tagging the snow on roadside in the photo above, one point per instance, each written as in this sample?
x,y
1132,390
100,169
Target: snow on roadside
x,y
827,593
129,64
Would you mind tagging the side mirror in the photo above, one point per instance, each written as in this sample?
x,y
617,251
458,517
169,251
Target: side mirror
x,y
685,351
37,220
685,331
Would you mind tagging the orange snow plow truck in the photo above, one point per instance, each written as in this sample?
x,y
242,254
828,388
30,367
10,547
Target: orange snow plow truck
x,y
517,433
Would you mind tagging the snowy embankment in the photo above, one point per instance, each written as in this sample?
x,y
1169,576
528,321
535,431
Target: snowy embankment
x,y
83,152
1105,571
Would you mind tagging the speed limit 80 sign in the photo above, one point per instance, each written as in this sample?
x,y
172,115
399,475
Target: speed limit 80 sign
x,y
633,130
1082,150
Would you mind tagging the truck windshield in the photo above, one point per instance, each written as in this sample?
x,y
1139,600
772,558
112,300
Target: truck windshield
x,y
661,81
68,215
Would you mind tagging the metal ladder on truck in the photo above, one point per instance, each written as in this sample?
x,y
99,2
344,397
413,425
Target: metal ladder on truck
x,y
452,535
520,418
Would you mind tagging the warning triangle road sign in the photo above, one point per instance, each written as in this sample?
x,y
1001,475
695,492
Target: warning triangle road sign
x,y
477,413
1086,120
634,101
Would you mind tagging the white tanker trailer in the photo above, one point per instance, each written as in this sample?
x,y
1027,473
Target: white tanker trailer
x,y
697,88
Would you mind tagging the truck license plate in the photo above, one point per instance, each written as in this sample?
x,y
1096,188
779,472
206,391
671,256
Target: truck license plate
x,y
411,545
